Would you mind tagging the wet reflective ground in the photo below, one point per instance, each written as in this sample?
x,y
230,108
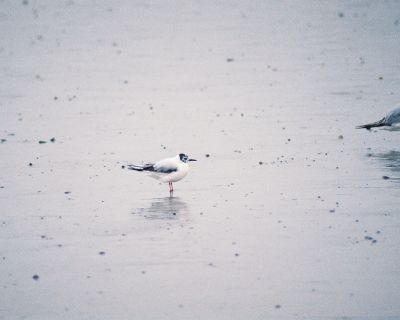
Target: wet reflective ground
x,y
289,213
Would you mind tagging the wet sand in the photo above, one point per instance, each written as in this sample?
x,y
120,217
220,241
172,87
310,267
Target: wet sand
x,y
293,215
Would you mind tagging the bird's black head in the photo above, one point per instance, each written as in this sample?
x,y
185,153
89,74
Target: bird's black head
x,y
185,158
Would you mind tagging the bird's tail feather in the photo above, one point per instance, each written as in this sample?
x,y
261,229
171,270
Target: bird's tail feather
x,y
368,126
146,167
134,167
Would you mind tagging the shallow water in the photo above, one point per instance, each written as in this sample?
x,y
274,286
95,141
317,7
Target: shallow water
x,y
295,213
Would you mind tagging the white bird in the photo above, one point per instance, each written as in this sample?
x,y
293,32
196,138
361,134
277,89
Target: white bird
x,y
390,119
167,170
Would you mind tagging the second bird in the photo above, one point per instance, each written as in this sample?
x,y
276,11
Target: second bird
x,y
393,117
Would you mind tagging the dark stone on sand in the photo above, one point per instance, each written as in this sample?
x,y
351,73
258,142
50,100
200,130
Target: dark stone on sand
x,y
207,155
53,139
102,253
340,137
67,192
30,164
42,141
35,277
340,14
230,60
277,306
260,163
385,177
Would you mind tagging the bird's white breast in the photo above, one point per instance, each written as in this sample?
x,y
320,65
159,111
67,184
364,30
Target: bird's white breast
x,y
183,169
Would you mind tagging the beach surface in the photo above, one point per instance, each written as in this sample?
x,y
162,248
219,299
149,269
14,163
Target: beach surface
x,y
289,213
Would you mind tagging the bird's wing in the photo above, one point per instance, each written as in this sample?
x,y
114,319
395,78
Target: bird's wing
x,y
166,166
393,116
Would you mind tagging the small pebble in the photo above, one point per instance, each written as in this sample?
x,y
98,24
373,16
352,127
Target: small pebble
x,y
102,253
35,277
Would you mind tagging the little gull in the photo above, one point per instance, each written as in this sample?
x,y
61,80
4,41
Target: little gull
x,y
167,170
390,119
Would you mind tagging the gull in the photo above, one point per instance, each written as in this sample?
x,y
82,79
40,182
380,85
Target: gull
x,y
390,119
167,170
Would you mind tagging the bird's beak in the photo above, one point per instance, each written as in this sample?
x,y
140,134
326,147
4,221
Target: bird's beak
x,y
192,160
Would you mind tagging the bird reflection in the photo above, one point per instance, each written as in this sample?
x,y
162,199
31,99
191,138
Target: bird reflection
x,y
167,208
391,161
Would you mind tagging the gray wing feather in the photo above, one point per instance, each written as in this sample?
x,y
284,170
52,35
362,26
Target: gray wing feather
x,y
393,116
166,166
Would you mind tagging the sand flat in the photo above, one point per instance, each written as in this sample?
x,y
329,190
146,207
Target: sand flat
x,y
293,215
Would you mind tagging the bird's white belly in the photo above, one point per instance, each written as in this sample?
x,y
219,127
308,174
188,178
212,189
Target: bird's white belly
x,y
176,176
